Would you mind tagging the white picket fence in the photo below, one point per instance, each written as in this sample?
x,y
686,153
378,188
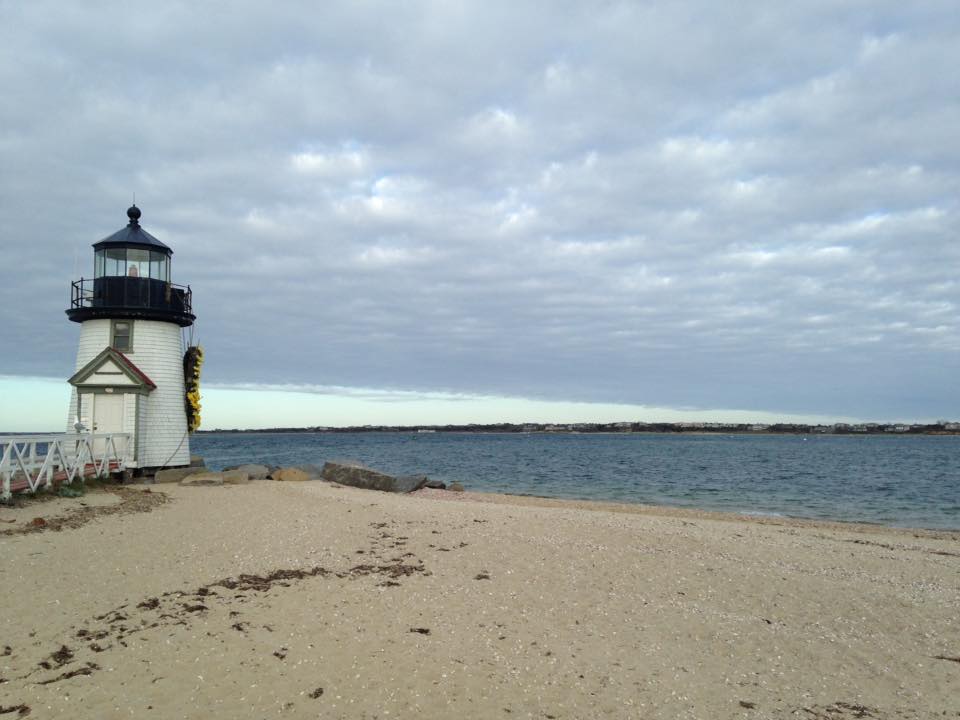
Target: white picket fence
x,y
31,461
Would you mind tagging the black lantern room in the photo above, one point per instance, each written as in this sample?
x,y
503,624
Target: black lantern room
x,y
131,279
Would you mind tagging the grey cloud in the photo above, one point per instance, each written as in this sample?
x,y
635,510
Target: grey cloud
x,y
675,204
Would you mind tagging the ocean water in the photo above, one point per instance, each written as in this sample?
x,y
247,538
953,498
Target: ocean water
x,y
892,480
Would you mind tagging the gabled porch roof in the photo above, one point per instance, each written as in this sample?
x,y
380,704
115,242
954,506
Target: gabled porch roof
x,y
112,363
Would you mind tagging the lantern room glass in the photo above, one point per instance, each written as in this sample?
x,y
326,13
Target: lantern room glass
x,y
131,262
138,263
159,266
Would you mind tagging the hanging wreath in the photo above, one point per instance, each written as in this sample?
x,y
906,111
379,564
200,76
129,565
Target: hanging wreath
x,y
192,360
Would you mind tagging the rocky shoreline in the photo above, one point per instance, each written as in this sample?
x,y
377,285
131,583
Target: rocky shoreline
x,y
349,473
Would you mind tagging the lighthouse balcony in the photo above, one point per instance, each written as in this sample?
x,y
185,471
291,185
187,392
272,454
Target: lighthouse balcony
x,y
131,297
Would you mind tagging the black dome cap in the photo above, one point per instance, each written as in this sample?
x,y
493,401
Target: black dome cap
x,y
133,236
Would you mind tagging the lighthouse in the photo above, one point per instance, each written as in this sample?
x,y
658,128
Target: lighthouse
x,y
130,361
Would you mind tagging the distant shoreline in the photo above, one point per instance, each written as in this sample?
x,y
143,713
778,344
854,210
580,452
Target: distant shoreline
x,y
753,429
840,429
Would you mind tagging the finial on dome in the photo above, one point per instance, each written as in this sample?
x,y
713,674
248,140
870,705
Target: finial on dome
x,y
134,214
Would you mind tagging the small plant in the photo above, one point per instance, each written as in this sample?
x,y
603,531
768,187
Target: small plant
x,y
74,490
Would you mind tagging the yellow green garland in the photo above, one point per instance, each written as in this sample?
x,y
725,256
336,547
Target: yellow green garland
x,y
192,360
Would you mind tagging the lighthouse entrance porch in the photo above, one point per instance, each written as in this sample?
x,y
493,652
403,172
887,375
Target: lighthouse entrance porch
x,y
110,394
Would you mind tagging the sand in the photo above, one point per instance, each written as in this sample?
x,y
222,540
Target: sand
x,y
308,600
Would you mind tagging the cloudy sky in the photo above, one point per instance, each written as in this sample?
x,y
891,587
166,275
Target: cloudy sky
x,y
445,210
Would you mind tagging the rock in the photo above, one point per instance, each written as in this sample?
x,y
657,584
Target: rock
x,y
196,461
312,470
172,475
290,474
235,477
204,478
435,485
409,483
255,472
358,475
455,486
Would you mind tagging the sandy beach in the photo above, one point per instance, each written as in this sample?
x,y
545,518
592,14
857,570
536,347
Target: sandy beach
x,y
310,600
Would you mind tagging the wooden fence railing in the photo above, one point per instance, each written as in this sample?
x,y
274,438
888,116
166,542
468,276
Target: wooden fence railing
x,y
31,461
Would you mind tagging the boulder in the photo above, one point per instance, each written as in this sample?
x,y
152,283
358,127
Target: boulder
x,y
253,471
235,477
456,487
290,474
358,475
409,483
172,475
204,478
196,461
435,485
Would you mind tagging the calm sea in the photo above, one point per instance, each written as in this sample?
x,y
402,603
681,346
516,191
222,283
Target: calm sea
x,y
902,481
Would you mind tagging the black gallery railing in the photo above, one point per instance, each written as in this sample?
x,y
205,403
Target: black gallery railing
x,y
131,292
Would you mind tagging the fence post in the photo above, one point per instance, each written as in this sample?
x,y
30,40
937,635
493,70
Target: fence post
x,y
5,471
52,448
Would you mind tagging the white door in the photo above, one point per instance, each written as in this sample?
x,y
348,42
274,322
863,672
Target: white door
x,y
107,418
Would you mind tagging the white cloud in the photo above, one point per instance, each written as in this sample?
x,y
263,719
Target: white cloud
x,y
872,46
494,127
697,149
343,163
385,256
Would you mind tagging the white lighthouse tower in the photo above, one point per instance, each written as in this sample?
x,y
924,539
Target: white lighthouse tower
x,y
129,373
